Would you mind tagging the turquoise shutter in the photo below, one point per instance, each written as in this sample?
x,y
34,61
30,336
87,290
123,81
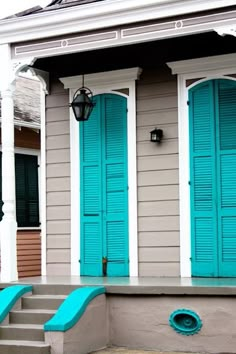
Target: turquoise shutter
x,y
90,194
202,181
115,193
226,157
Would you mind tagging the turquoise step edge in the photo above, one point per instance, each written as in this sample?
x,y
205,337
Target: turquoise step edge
x,y
72,308
9,296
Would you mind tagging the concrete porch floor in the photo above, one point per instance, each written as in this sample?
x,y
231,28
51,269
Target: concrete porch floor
x,y
114,350
140,285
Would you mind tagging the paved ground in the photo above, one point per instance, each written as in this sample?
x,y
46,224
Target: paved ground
x,y
133,351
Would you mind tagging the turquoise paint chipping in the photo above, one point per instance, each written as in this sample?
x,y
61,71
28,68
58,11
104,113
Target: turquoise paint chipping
x,y
9,296
72,308
185,322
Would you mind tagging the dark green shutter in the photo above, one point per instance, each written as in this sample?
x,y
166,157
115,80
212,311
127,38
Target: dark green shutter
x,y
27,198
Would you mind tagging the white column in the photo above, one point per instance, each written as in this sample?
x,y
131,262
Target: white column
x,y
8,226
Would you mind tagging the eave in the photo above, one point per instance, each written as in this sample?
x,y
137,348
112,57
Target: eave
x,y
99,15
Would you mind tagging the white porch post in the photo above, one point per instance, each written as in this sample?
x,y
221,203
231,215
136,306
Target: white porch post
x,y
8,226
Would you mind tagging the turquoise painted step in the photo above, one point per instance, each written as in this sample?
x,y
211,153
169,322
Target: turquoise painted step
x,y
9,296
72,308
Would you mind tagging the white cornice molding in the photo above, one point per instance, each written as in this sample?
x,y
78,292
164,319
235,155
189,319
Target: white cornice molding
x,y
98,15
103,79
200,65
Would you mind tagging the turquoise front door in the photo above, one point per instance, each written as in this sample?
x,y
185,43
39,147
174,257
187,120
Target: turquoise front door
x,y
212,118
104,189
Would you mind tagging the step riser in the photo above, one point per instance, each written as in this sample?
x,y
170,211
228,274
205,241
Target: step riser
x,y
29,318
21,334
46,304
21,349
56,289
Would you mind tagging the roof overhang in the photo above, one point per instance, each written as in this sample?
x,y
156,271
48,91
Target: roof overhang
x,y
99,15
22,124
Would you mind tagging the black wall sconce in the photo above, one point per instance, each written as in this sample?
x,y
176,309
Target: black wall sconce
x,y
82,103
156,135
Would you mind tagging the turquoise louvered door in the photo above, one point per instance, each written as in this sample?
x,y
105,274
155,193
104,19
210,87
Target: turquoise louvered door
x,y
203,181
115,196
226,166
212,108
104,189
90,194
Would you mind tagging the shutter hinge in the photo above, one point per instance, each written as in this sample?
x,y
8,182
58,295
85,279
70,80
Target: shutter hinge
x,y
189,183
188,103
38,166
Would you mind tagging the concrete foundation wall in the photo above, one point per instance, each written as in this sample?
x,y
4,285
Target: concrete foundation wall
x,y
143,322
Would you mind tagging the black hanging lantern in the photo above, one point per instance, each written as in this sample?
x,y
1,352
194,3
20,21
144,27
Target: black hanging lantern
x,y
82,103
156,135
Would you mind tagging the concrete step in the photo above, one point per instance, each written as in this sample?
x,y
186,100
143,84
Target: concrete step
x,y
46,302
22,332
23,347
32,316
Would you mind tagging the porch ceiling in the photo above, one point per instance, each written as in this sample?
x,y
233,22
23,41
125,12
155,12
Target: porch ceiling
x,y
145,55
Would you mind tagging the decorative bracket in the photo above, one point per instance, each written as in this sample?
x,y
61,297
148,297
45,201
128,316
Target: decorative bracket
x,y
223,31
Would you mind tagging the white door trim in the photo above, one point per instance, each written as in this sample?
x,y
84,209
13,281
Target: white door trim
x,y
201,69
107,82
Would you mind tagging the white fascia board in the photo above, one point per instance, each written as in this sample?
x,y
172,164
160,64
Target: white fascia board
x,y
98,15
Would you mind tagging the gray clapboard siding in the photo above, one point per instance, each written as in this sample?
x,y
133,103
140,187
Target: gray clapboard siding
x,y
158,223
58,180
149,193
60,169
58,212
159,239
58,142
58,198
159,254
157,164
58,255
58,227
159,208
58,241
155,178
157,172
165,116
155,269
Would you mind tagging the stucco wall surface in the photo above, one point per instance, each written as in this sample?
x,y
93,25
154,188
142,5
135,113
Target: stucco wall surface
x,y
143,322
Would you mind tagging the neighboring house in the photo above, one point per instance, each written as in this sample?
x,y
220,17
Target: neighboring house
x,y
114,197
27,160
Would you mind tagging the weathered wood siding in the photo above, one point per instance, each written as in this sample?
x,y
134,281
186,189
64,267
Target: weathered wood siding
x,y
158,205
28,253
158,208
58,181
